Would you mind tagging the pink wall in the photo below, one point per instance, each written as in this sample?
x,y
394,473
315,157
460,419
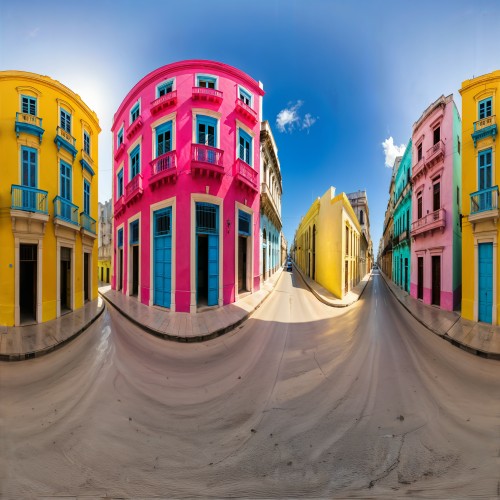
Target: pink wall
x,y
226,186
437,241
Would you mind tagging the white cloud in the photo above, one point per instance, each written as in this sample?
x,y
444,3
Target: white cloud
x,y
290,118
391,151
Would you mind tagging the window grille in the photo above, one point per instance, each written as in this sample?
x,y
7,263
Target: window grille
x,y
206,218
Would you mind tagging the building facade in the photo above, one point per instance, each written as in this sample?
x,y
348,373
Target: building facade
x,y
359,203
327,243
186,187
436,248
105,247
48,197
270,203
401,246
480,222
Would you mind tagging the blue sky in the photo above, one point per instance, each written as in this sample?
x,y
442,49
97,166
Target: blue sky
x,y
349,75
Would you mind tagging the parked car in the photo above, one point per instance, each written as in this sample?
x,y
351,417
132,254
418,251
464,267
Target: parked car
x,y
289,265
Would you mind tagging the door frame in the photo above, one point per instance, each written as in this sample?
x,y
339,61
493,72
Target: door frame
x,y
250,245
61,242
214,200
486,237
87,250
126,244
168,203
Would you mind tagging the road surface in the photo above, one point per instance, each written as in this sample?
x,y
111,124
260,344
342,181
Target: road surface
x,y
303,400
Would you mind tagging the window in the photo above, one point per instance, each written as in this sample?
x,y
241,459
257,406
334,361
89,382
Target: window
x,y
135,165
419,207
244,147
206,130
484,160
165,88
436,196
419,152
245,96
206,218
437,135
120,238
86,197
134,113
29,166
65,181
207,82
28,105
458,144
134,232
162,222
361,217
485,108
244,223
163,138
347,240
86,143
65,121
119,187
119,138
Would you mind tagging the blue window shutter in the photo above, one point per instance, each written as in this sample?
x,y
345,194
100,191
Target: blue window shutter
x,y
28,105
206,130
163,138
134,232
120,183
135,162
244,147
244,223
120,238
86,197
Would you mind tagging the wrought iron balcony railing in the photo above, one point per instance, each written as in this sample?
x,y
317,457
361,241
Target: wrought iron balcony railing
x,y
87,222
65,210
29,199
484,200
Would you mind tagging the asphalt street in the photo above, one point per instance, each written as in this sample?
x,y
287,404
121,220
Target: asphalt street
x,y
302,400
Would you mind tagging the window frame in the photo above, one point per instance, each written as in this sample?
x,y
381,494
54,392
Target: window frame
x,y
485,102
86,142
35,104
210,121
135,153
209,78
119,135
67,118
86,197
133,109
161,129
119,183
247,94
165,83
483,154
242,134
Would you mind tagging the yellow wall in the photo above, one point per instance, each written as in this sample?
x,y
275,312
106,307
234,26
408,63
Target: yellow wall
x,y
50,95
104,264
330,215
472,92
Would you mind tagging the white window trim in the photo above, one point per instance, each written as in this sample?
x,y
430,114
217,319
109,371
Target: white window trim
x,y
170,202
206,112
128,246
242,126
131,108
215,200
172,117
240,87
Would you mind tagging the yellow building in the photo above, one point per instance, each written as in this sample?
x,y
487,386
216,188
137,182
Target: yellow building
x,y
327,243
480,222
48,199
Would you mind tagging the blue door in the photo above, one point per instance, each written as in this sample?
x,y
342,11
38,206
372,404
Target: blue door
x,y
162,257
213,269
28,177
485,289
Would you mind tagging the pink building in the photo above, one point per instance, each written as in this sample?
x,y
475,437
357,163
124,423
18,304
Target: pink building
x,y
436,248
186,186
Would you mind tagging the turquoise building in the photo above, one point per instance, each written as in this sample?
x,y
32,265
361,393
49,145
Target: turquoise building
x,y
402,222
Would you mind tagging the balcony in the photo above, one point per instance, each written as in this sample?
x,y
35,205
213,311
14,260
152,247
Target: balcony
x,y
119,206
87,163
163,170
207,161
29,199
246,111
66,141
484,205
403,237
484,128
268,205
29,124
163,102
134,127
245,175
430,222
434,155
418,168
65,211
133,190
88,225
210,95
403,194
120,150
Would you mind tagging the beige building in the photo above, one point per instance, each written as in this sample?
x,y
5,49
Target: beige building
x,y
359,203
105,247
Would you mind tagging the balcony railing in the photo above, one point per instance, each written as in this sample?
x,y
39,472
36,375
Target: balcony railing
x,y
266,197
484,128
434,220
207,160
205,94
484,200
434,154
65,210
133,189
29,124
246,111
134,127
87,163
163,168
66,140
120,150
246,174
119,206
29,199
164,102
403,236
87,223
417,168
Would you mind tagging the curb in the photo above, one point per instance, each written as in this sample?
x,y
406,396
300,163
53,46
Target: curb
x,y
445,336
54,347
185,340
324,301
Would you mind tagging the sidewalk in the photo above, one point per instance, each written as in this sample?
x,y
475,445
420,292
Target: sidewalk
x,y
327,297
477,338
31,341
186,327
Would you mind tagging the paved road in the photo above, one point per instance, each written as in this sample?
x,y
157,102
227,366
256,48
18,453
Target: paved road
x,y
302,400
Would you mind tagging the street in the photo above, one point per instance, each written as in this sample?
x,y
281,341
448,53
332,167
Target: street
x,y
302,400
